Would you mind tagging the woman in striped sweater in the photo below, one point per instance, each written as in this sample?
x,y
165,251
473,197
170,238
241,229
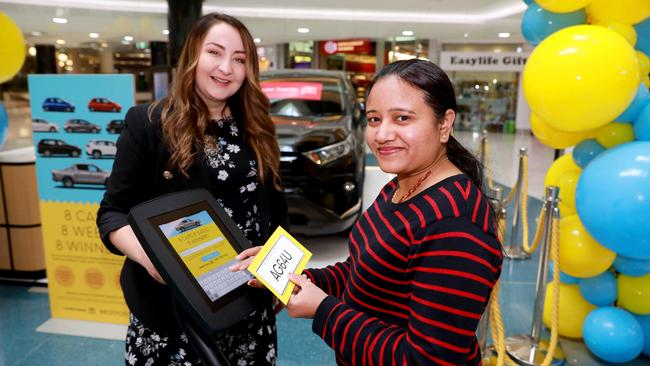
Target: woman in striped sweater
x,y
425,256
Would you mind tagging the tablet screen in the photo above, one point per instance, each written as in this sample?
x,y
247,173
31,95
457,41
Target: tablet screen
x,y
206,253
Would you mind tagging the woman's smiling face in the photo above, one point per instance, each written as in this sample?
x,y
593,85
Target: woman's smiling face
x,y
403,131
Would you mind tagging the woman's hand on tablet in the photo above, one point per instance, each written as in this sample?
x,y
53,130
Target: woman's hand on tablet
x,y
245,258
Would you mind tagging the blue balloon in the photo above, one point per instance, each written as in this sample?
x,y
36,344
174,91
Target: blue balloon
x,y
586,151
539,23
613,334
600,290
613,199
644,321
635,267
640,101
4,125
564,278
528,1
642,125
643,36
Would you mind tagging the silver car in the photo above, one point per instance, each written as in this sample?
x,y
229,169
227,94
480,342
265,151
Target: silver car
x,y
41,125
81,174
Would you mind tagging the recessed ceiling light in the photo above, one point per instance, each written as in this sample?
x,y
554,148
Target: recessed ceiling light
x,y
165,31
407,33
37,34
466,35
128,38
60,41
303,30
504,35
257,40
519,49
93,35
60,20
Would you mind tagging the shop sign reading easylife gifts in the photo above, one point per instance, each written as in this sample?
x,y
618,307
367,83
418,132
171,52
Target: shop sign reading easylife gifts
x,y
483,61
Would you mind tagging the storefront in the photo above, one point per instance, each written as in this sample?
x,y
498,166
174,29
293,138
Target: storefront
x,y
355,56
488,87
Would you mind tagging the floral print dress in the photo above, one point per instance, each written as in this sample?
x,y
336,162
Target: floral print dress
x,y
252,341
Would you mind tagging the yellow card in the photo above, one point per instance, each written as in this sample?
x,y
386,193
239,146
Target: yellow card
x,y
281,254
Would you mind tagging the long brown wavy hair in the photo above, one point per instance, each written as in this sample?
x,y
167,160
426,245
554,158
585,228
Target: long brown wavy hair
x,y
185,115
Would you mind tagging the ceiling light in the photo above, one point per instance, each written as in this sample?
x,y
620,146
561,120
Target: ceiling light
x,y
476,86
466,35
303,30
257,40
60,20
407,33
486,88
165,31
32,51
519,49
494,81
37,34
128,38
104,44
93,35
504,35
60,41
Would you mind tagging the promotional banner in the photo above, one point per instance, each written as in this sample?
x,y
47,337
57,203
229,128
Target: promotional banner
x,y
76,120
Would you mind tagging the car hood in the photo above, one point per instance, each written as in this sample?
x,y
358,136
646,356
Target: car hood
x,y
298,134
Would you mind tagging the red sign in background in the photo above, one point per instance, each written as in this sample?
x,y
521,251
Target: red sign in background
x,y
292,90
355,46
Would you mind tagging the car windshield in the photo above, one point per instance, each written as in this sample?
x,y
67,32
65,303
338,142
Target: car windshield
x,y
304,96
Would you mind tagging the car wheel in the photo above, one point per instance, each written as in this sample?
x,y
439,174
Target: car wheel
x,y
114,109
52,129
47,153
96,130
68,129
91,109
112,130
74,153
68,182
46,109
68,109
97,154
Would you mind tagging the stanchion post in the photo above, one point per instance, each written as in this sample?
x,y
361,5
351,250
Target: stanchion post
x,y
525,349
483,143
514,251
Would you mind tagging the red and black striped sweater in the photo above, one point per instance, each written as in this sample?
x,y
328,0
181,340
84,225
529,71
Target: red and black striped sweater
x,y
417,280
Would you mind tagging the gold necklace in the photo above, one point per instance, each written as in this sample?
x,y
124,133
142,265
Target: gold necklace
x,y
419,182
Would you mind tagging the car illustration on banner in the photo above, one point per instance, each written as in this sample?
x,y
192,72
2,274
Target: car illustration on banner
x,y
115,126
80,125
100,148
56,147
103,105
81,174
186,224
57,105
41,125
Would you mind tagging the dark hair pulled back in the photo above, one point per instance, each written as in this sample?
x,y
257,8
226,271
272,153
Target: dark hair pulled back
x,y
440,96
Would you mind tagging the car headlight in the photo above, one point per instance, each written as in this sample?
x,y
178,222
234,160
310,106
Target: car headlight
x,y
329,153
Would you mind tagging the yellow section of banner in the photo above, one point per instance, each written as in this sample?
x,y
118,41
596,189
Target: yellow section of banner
x,y
83,276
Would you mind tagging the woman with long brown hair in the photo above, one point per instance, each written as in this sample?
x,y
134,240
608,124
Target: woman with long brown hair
x,y
214,132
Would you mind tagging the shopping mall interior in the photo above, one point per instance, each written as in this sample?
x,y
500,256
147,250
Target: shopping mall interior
x,y
552,98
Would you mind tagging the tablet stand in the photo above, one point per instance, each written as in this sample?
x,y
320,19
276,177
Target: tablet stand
x,y
204,346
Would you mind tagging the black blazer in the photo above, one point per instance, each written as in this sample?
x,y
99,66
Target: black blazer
x,y
137,176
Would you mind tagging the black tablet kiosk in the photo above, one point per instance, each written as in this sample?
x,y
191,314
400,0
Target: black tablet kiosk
x,y
192,241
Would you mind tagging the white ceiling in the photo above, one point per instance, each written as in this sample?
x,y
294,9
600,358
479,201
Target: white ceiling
x,y
275,21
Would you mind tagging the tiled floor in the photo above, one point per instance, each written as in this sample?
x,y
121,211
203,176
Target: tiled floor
x,y
22,309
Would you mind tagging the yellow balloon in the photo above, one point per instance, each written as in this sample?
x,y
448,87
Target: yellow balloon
x,y
634,293
581,78
562,6
12,48
549,136
573,310
567,182
580,254
644,63
626,30
615,133
623,11
645,80
563,164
